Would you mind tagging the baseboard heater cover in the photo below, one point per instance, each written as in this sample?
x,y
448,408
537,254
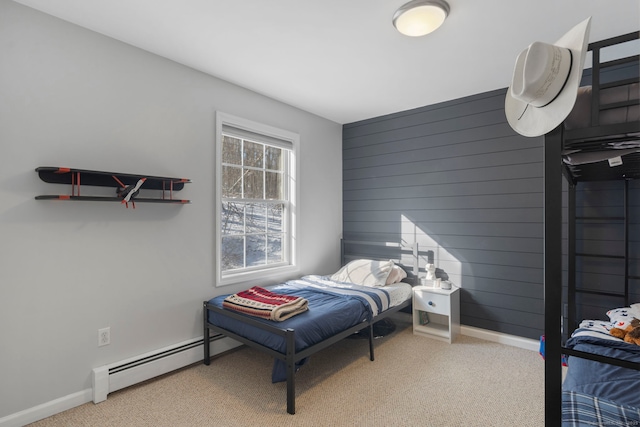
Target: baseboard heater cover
x,y
116,376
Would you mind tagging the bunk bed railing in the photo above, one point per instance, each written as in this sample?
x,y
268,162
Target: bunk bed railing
x,y
600,358
553,277
598,67
601,85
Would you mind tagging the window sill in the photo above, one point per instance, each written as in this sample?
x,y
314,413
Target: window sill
x,y
274,274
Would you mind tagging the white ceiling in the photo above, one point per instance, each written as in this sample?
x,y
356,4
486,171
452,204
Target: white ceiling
x,y
343,59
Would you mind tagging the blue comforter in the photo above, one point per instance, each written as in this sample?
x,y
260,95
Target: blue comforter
x,y
601,380
333,307
585,410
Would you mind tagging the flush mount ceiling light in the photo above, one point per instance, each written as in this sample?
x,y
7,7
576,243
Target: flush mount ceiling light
x,y
420,17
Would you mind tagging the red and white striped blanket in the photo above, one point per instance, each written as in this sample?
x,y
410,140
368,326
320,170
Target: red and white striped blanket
x,y
260,302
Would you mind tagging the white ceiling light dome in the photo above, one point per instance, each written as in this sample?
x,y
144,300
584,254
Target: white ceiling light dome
x,y
420,17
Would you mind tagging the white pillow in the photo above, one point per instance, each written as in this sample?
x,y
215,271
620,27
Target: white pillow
x,y
364,272
396,275
622,317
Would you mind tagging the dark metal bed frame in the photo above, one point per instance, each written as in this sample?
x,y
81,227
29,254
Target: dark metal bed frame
x,y
591,138
291,356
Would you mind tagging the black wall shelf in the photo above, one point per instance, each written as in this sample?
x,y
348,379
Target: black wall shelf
x,y
127,186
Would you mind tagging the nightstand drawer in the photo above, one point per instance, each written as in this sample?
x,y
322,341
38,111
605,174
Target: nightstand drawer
x,y
432,302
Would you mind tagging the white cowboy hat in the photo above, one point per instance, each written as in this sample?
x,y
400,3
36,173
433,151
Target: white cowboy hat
x,y
545,82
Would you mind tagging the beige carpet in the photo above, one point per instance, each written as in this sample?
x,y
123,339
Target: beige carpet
x,y
414,381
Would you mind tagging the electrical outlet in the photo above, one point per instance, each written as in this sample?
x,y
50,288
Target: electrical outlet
x,y
104,336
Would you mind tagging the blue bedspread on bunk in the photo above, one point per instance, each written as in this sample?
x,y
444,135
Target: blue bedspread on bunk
x,y
583,410
333,307
601,380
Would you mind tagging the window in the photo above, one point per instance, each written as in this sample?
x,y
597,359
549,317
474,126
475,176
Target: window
x,y
255,199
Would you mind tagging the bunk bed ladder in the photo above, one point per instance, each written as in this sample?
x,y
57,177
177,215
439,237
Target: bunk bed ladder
x,y
571,314
627,243
572,289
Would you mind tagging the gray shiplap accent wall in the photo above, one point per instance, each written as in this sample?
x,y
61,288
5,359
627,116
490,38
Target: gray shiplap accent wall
x,y
458,180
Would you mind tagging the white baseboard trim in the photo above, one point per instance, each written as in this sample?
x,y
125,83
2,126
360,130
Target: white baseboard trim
x,y
47,409
104,383
512,340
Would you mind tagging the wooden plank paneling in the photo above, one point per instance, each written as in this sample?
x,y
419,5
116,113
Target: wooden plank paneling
x,y
439,174
455,178
500,187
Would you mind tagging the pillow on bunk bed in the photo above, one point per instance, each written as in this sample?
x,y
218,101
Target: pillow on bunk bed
x,y
600,326
622,316
618,318
364,272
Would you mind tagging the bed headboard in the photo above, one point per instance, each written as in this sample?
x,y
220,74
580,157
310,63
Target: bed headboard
x,y
404,254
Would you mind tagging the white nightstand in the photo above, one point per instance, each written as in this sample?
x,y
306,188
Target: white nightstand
x,y
442,307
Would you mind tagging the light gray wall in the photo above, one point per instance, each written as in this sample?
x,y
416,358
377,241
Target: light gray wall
x,y
458,180
71,97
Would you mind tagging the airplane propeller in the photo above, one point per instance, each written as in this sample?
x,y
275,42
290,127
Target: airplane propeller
x,y
129,192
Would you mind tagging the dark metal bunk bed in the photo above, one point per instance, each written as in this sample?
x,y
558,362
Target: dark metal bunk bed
x,y
280,340
601,136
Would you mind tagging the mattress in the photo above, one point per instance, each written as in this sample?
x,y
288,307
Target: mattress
x,y
398,293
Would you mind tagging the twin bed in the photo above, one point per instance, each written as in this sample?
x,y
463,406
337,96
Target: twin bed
x,y
351,300
599,141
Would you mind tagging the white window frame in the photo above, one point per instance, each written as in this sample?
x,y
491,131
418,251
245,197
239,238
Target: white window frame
x,y
289,246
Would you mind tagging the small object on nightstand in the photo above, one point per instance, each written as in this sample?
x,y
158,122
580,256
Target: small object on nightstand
x,y
424,317
431,272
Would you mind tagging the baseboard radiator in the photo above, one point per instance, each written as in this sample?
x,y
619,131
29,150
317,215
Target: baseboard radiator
x,y
116,376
